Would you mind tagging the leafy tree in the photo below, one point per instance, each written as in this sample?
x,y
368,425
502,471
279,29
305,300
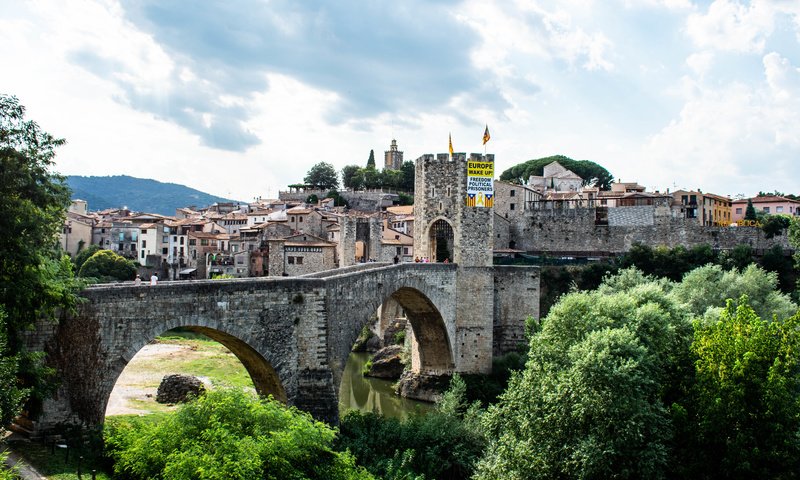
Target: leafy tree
x,y
775,225
747,396
229,434
323,176
590,172
106,265
739,257
409,175
84,255
750,211
794,240
12,394
705,291
35,280
347,176
371,160
593,399
338,200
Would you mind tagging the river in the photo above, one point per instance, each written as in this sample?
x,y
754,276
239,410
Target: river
x,y
357,392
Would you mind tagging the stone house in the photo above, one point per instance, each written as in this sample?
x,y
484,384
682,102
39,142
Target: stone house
x,y
512,200
555,177
300,254
76,234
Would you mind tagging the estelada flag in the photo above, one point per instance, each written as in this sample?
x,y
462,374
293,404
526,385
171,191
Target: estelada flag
x,y
486,135
450,137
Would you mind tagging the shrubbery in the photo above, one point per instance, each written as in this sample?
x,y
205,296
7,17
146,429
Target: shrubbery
x,y
229,434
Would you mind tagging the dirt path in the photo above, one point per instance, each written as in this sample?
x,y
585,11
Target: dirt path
x,y
140,378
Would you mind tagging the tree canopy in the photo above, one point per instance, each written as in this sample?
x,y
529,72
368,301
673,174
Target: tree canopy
x,y
105,265
591,173
35,279
649,378
323,176
230,434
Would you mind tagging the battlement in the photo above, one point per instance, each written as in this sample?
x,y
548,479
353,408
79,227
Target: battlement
x,y
458,157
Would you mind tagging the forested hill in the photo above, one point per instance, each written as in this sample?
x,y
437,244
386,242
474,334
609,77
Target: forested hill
x,y
590,172
138,194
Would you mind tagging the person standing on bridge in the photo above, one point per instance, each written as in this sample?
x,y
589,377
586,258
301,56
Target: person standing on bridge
x,y
138,280
154,279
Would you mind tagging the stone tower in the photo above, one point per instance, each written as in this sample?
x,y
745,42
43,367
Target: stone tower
x,y
447,226
393,158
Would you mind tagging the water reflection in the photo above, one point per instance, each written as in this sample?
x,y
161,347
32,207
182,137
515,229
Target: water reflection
x,y
373,394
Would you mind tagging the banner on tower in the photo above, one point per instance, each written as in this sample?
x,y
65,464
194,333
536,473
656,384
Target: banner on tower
x,y
480,184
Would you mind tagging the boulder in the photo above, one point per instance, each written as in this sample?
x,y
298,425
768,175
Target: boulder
x,y
175,388
420,386
386,363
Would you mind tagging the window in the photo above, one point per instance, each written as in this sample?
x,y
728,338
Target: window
x,y
684,199
290,260
405,250
779,209
204,242
300,219
299,260
144,243
766,209
692,198
164,251
181,242
513,192
133,248
512,206
142,253
120,247
739,211
121,236
292,219
192,241
134,235
180,251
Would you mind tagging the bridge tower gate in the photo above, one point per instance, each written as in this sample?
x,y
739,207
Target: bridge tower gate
x,y
447,225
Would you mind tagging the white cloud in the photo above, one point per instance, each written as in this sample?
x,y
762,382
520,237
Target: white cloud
x,y
730,25
700,62
741,138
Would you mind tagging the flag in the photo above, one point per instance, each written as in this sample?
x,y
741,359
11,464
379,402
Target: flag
x,y
486,135
450,137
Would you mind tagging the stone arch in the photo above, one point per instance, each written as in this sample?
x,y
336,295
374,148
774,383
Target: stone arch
x,y
266,379
440,239
434,352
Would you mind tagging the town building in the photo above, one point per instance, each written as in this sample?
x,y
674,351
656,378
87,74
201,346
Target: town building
x,y
393,158
768,204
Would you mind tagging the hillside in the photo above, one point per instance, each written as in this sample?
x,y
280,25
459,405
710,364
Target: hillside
x,y
138,194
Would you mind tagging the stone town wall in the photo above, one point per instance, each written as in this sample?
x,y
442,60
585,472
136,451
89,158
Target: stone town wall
x,y
516,297
575,230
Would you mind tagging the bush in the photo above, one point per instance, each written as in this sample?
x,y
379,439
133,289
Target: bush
x,y
106,265
229,434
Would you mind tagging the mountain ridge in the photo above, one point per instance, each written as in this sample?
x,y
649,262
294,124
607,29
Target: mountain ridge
x,y
137,194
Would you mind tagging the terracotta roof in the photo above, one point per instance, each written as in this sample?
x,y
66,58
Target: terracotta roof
x,y
401,210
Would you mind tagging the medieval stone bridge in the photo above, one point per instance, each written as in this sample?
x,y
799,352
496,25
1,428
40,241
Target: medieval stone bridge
x,y
293,335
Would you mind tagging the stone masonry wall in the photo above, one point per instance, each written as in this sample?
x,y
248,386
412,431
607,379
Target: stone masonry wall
x,y
516,297
574,230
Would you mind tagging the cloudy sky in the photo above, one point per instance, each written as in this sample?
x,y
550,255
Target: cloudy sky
x,y
241,98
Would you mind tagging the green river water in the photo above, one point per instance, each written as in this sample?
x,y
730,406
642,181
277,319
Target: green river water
x,y
357,392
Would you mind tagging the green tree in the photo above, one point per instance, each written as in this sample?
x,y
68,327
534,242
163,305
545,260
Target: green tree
x,y
348,172
229,434
409,174
775,225
747,396
322,176
106,265
35,279
84,255
593,399
739,257
750,211
590,172
371,160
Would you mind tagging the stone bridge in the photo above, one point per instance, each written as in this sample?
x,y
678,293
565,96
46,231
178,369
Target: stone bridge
x,y
293,335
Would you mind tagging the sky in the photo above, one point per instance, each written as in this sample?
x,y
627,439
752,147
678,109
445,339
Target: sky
x,y
240,99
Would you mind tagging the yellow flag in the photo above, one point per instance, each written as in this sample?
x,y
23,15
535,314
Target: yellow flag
x,y
450,137
486,135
